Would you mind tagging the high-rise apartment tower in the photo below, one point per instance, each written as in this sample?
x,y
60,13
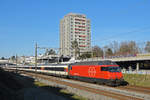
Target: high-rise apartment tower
x,y
74,27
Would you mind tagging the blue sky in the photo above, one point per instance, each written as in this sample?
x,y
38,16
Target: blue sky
x,y
24,22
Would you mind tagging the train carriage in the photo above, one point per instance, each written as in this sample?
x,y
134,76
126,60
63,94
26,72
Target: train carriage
x,y
56,69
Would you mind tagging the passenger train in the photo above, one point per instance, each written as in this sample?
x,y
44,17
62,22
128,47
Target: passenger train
x,y
101,72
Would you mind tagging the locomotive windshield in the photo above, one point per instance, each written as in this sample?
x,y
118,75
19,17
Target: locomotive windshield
x,y
111,69
114,69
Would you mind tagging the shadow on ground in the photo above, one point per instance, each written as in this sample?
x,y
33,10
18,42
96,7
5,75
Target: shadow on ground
x,y
14,86
11,83
60,92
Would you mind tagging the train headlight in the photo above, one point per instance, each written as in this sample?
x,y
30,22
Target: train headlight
x,y
121,78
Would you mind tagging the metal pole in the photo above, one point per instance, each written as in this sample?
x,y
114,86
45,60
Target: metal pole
x,y
137,67
104,53
36,58
58,54
92,55
16,62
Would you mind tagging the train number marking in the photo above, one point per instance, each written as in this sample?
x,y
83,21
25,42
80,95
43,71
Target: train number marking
x,y
91,71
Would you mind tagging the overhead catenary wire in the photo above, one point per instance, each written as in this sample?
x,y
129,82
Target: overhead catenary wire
x,y
121,34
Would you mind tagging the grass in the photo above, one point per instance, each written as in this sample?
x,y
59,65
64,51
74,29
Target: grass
x,y
39,84
59,91
138,79
76,97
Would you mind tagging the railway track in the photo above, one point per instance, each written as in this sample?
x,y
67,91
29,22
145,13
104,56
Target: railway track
x,y
145,90
87,88
119,93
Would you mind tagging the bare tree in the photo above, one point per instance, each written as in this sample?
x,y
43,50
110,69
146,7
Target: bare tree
x,y
147,47
114,47
133,47
128,48
97,51
123,48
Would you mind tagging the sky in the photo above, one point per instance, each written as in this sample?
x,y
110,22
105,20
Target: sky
x,y
25,22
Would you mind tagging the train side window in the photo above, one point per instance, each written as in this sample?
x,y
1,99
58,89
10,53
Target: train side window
x,y
104,68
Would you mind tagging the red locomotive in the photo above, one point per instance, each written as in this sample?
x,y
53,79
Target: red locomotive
x,y
102,72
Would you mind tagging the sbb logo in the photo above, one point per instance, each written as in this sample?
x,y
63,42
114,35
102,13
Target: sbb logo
x,y
91,71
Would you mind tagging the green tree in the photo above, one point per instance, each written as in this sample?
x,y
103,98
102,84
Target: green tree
x,y
109,52
85,55
76,48
50,52
3,58
13,58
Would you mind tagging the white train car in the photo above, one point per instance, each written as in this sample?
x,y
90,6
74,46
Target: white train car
x,y
51,69
54,69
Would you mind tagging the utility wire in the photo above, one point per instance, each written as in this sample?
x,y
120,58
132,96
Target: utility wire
x,y
122,34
